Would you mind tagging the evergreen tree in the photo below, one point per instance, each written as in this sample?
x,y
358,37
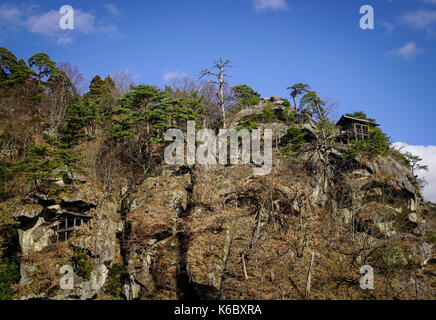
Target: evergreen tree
x,y
42,65
40,164
148,106
246,96
79,121
298,89
47,162
359,115
268,112
8,63
377,144
9,275
96,86
20,73
103,96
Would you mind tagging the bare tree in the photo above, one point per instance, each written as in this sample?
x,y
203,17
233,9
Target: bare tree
x,y
211,101
75,76
332,108
182,86
123,80
220,65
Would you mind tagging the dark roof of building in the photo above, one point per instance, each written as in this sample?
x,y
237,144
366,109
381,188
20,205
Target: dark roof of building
x,y
347,119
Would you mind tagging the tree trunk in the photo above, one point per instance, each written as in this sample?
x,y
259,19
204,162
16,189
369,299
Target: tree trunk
x,y
222,102
309,275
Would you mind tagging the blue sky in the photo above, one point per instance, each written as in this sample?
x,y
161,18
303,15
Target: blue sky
x,y
389,72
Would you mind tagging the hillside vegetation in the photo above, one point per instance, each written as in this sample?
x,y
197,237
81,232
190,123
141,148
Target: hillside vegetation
x,y
160,231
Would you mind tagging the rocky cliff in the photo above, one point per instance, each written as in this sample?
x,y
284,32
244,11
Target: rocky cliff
x,y
220,232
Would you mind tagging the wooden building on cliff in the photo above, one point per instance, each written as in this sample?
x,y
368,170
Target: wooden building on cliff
x,y
354,128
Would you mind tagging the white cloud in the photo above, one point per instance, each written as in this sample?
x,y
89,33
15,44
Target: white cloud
x,y
111,8
428,155
389,27
85,22
9,12
46,24
10,19
421,19
270,4
407,52
168,76
64,41
13,17
429,1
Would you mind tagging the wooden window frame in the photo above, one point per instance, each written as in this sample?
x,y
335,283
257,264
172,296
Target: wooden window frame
x,y
65,233
361,131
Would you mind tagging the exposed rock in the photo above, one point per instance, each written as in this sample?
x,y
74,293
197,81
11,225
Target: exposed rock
x,y
413,217
219,232
387,228
276,103
276,99
37,236
28,211
424,250
154,244
54,208
26,272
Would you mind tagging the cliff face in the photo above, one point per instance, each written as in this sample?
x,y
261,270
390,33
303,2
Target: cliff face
x,y
219,232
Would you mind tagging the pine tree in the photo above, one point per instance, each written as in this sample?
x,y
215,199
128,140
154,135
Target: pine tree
x,y
79,121
246,96
298,89
151,108
43,66
20,73
48,162
8,63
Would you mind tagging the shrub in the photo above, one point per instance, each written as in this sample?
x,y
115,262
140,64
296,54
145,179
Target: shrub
x,y
296,140
246,96
377,144
4,176
431,237
82,264
288,153
359,115
114,285
401,157
412,264
9,275
297,136
268,112
248,123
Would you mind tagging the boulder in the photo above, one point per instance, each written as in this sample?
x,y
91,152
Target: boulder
x,y
413,217
28,211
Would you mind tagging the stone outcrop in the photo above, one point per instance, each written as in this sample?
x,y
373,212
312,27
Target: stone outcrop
x,y
219,232
38,218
